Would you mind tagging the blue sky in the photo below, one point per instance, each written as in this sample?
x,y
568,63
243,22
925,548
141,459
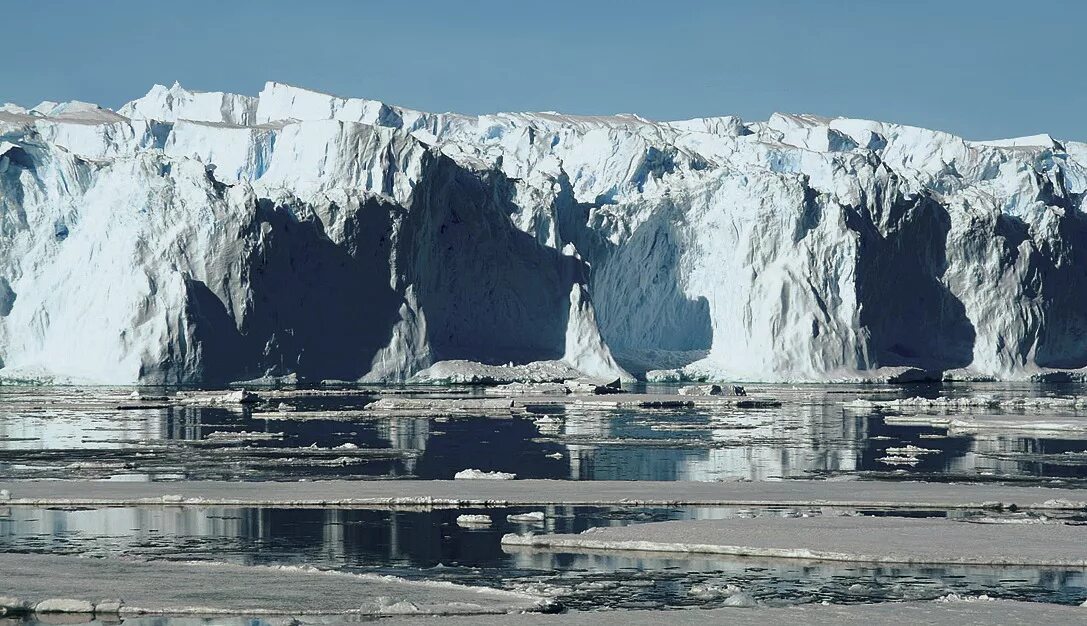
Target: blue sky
x,y
981,69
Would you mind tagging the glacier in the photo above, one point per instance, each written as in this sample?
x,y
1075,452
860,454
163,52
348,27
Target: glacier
x,y
203,237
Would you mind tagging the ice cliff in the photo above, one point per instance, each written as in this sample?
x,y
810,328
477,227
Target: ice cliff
x,y
208,237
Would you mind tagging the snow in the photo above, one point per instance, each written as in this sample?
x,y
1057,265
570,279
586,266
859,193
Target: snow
x,y
192,226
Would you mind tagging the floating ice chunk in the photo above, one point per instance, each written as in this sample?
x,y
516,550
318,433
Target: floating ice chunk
x,y
473,520
474,474
665,376
955,597
899,460
910,450
861,404
970,402
222,436
740,599
240,396
387,606
5,494
594,386
520,389
1061,503
711,590
470,372
346,446
535,517
549,424
700,390
11,604
431,406
63,605
108,606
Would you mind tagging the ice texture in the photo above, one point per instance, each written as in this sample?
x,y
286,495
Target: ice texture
x,y
195,237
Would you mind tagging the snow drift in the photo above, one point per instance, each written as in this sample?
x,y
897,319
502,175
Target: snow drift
x,y
207,237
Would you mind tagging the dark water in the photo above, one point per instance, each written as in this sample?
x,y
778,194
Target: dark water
x,y
430,545
65,432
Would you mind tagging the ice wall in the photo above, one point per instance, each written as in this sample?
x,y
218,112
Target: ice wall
x,y
208,237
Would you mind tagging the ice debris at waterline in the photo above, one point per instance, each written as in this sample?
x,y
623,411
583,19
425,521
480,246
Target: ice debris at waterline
x,y
217,237
474,474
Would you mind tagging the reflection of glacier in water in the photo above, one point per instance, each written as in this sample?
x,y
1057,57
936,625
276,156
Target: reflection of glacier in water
x,y
706,446
429,544
71,432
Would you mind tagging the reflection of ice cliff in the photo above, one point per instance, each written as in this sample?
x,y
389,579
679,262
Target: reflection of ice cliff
x,y
714,446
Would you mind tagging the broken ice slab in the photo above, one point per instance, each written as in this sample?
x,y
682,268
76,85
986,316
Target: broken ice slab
x,y
443,406
846,538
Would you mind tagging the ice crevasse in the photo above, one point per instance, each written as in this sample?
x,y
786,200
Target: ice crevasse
x,y
193,237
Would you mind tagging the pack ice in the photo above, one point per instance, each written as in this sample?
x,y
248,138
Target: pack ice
x,y
194,237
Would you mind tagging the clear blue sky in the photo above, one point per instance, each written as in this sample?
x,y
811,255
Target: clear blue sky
x,y
982,69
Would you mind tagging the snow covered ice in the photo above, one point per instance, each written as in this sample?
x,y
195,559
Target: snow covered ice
x,y
214,237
